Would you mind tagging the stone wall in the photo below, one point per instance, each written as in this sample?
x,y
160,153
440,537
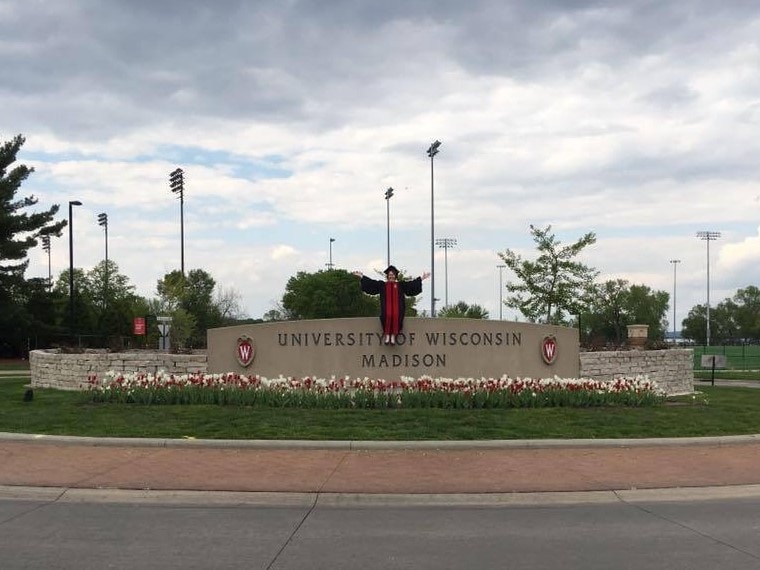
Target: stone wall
x,y
54,369
673,369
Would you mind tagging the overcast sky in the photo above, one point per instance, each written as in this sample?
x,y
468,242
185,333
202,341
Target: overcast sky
x,y
637,120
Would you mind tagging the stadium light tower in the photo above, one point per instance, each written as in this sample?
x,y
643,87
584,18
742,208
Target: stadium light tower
x,y
177,185
675,263
446,243
388,196
330,263
708,236
431,152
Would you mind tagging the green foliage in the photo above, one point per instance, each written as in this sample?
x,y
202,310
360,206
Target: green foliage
x,y
731,411
553,286
614,304
746,309
462,310
194,295
694,326
648,307
327,294
734,320
182,327
19,232
104,302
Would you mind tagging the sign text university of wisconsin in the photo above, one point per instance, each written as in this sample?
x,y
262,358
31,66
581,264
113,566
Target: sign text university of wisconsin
x,y
433,342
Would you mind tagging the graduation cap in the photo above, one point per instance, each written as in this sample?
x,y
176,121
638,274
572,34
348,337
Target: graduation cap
x,y
391,268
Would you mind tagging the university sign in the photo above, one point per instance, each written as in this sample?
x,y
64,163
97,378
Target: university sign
x,y
354,348
245,351
549,349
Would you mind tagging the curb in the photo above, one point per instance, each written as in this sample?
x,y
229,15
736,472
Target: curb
x,y
345,445
349,500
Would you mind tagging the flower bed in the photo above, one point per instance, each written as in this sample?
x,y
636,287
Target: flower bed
x,y
335,392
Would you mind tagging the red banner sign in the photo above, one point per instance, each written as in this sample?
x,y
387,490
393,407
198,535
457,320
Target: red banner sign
x,y
138,326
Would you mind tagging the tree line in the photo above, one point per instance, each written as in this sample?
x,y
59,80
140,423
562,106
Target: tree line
x,y
553,288
36,313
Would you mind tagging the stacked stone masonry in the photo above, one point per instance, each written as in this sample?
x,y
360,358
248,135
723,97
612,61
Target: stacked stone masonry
x,y
671,369
53,369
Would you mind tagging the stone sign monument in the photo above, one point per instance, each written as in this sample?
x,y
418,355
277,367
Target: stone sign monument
x,y
449,348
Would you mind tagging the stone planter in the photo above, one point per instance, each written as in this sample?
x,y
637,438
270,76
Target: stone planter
x,y
637,336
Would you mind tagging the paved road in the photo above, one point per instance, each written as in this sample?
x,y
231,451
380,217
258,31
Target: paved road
x,y
624,534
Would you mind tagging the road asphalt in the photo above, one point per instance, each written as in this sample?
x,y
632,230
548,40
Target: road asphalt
x,y
491,472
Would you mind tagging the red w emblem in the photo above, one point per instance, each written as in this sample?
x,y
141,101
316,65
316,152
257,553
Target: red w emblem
x,y
549,349
245,351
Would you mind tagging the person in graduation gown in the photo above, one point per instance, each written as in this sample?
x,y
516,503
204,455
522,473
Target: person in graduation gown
x,y
393,295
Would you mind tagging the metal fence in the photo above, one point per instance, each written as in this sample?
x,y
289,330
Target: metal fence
x,y
738,357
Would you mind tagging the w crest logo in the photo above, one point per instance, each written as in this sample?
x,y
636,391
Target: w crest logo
x,y
245,351
549,349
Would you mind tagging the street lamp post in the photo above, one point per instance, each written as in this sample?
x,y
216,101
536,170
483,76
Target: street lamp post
x,y
177,185
46,247
388,195
72,203
708,236
501,289
330,263
446,243
103,222
675,263
431,152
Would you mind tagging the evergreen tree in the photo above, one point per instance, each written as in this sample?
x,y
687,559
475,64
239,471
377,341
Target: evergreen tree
x,y
20,230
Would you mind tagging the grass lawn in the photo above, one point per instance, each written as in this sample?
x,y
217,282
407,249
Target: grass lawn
x,y
730,411
753,375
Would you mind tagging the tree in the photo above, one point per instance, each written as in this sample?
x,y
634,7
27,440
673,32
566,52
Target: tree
x,y
104,305
333,293
462,310
605,319
19,231
747,316
723,327
85,311
554,285
647,307
694,326
195,294
614,304
114,299
227,302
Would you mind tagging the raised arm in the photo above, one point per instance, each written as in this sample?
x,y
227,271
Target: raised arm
x,y
369,286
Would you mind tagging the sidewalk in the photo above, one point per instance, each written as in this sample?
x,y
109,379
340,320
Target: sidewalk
x,y
429,468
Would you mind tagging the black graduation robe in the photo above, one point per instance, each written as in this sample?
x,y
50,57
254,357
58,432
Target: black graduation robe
x,y
375,287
